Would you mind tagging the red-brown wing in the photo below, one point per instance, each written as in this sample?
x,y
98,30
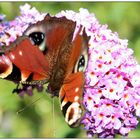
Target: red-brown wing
x,y
58,35
70,95
29,59
75,53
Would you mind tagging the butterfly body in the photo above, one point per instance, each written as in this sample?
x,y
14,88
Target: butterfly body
x,y
47,53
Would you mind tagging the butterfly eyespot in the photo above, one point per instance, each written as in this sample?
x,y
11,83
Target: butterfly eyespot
x,y
81,63
37,38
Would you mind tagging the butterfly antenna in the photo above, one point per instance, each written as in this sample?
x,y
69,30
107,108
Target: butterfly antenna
x,y
29,105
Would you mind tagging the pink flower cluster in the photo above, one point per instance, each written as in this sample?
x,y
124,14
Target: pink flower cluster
x,y
112,90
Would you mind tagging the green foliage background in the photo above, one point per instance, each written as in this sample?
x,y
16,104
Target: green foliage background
x,y
43,118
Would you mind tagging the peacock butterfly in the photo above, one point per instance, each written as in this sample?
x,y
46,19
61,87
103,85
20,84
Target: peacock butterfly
x,y
47,53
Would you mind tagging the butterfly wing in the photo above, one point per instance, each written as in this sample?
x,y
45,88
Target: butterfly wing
x,y
70,96
72,89
29,61
24,59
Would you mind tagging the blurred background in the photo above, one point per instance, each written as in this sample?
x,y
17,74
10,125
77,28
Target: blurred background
x,y
42,117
